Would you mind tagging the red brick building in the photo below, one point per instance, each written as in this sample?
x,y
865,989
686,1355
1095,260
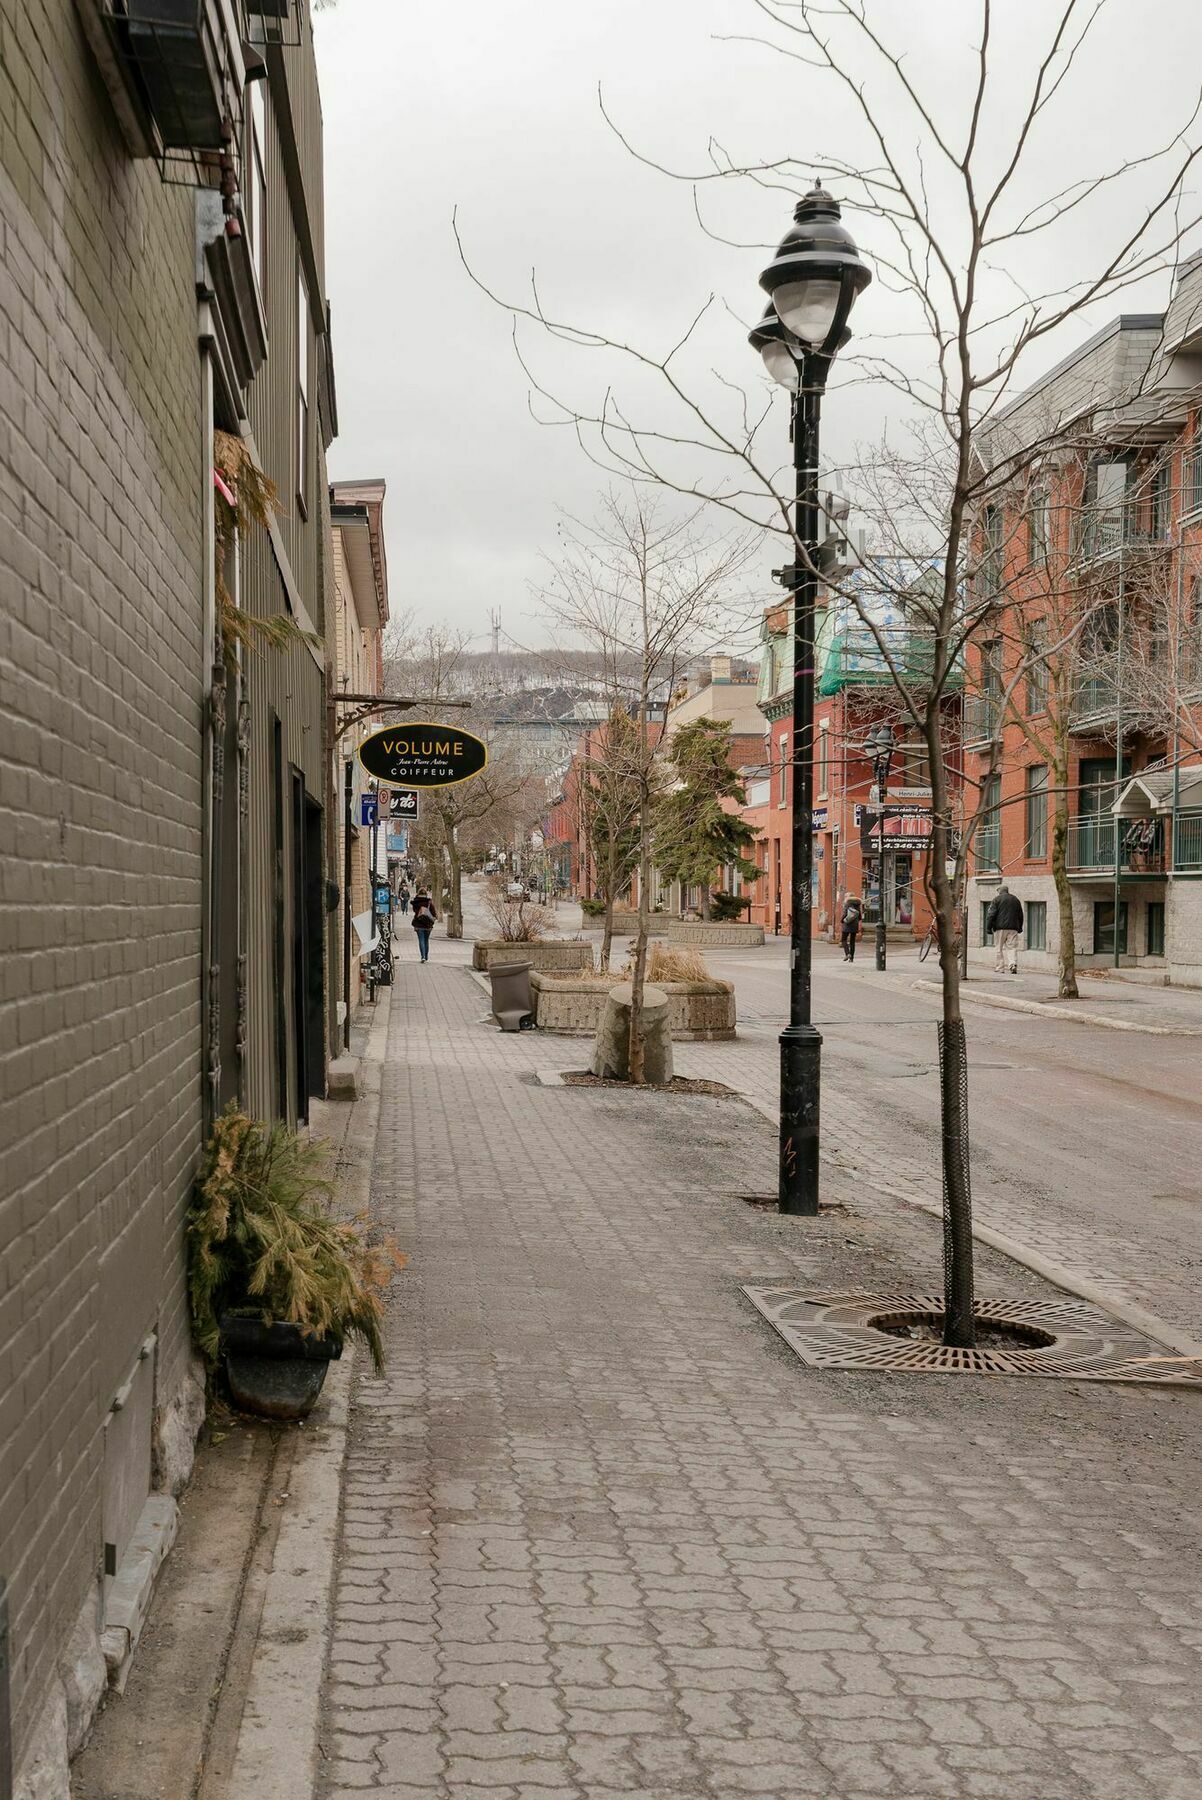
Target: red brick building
x,y
1096,553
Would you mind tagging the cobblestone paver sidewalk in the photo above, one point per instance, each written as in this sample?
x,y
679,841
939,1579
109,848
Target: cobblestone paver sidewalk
x,y
603,1535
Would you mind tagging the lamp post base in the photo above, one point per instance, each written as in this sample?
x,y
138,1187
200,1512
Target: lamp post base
x,y
880,945
800,1076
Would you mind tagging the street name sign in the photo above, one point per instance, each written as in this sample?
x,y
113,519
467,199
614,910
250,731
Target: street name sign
x,y
423,756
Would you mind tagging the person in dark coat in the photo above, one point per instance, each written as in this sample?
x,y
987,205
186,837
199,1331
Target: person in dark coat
x,y
424,917
403,897
1005,920
850,923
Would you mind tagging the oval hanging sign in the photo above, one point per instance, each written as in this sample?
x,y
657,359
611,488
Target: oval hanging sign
x,y
423,756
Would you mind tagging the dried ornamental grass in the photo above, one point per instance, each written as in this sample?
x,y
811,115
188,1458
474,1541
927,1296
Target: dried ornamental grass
x,y
676,965
262,1241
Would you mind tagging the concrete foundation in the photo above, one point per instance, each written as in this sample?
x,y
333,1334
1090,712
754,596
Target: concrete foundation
x,y
712,934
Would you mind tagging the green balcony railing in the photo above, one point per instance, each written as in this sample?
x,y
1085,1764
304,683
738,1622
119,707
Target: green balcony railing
x,y
1187,842
1091,843
1134,524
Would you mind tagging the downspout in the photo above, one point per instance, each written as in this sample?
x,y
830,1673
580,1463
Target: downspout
x,y
210,867
1118,731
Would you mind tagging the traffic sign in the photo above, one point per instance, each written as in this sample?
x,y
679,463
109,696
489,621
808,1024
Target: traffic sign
x,y
402,803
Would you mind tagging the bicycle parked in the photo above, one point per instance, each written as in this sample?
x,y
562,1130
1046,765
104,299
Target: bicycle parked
x,y
931,940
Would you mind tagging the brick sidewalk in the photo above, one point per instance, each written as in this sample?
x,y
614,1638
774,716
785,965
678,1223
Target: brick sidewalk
x,y
604,1535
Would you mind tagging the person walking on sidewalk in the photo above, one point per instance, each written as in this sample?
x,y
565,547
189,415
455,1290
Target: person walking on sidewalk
x,y
850,922
424,917
403,897
1005,920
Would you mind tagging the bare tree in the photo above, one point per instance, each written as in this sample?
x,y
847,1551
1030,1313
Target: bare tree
x,y
642,584
494,802
950,232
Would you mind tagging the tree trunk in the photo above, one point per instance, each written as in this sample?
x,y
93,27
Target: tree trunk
x,y
958,1325
705,899
607,941
1067,956
454,914
639,966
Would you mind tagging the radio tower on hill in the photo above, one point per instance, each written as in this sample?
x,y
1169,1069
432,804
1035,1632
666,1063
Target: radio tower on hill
x,y
494,619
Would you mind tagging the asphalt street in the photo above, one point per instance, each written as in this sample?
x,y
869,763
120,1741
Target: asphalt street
x,y
1086,1141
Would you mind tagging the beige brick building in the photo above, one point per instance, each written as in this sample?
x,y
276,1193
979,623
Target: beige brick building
x,y
162,857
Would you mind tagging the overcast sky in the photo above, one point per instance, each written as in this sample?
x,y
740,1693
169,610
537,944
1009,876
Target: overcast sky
x,y
492,110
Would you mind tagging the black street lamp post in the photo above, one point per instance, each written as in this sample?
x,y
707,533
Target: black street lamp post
x,y
812,282
880,745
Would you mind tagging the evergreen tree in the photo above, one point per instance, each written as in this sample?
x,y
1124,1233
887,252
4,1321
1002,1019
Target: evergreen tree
x,y
695,834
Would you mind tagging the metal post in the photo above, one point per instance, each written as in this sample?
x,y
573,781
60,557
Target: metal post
x,y
347,826
375,853
882,780
800,1042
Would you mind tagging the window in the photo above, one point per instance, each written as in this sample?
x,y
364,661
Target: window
x,y
1038,524
992,522
782,779
1037,669
1154,941
1037,812
1103,928
824,759
1036,916
1191,498
256,183
986,934
1193,654
989,830
302,393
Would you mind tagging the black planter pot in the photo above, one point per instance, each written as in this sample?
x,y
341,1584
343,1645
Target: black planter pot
x,y
275,1370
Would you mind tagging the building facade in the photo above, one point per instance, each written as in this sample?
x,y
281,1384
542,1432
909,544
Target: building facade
x,y
162,768
855,692
1084,722
356,668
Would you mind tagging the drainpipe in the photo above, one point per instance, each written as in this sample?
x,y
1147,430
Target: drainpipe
x,y
1118,731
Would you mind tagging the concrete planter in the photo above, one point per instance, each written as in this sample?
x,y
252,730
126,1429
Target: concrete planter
x,y
626,924
712,934
547,953
698,1011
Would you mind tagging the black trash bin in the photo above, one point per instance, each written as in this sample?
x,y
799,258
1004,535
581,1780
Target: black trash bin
x,y
512,1003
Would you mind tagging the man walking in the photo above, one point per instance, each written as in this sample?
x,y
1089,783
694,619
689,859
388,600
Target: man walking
x,y
1005,920
850,921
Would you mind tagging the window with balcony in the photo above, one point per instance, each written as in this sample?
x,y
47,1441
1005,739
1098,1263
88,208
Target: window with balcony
x,y
1037,812
1035,650
255,199
302,394
992,530
782,775
1191,480
824,759
1039,535
989,830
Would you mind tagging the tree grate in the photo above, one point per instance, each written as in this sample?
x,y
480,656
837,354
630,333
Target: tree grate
x,y
1064,1338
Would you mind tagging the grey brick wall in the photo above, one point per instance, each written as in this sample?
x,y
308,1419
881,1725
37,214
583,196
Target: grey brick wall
x,y
101,472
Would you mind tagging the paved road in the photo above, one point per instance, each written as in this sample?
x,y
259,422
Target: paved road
x,y
1087,1142
603,1535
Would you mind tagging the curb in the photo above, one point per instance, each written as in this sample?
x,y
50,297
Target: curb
x,y
1161,1331
278,1749
1041,1009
